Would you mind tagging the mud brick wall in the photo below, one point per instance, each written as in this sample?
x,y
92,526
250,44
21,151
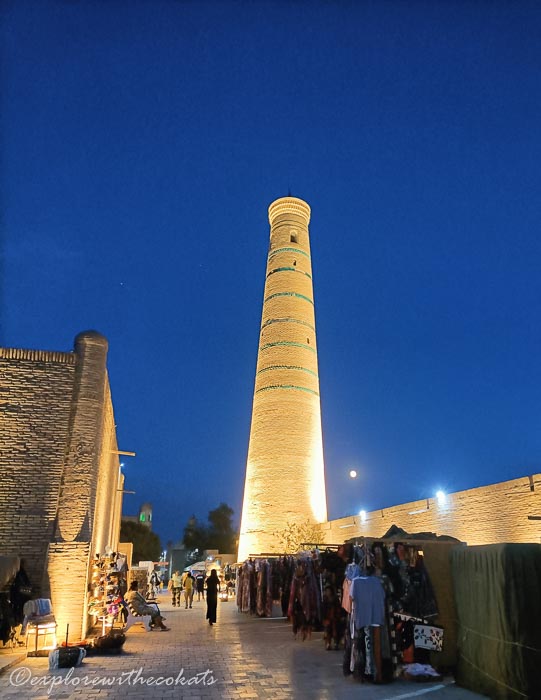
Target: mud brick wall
x,y
35,402
109,484
68,564
484,515
60,481
285,480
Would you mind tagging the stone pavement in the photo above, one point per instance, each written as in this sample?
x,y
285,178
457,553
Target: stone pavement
x,y
240,657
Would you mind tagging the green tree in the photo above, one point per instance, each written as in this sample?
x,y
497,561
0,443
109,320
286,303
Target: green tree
x,y
146,544
221,534
195,540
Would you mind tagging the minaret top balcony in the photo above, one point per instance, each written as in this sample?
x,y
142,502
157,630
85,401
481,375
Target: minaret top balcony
x,y
289,205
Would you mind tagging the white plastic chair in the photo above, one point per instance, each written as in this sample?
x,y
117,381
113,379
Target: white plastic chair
x,y
135,619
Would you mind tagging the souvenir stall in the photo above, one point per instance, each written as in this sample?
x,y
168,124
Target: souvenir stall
x,y
394,618
230,578
107,588
286,584
264,584
378,599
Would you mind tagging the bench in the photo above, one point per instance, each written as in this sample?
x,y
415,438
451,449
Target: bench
x,y
133,618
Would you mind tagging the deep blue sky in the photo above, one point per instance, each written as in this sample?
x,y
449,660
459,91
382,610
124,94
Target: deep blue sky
x,y
142,142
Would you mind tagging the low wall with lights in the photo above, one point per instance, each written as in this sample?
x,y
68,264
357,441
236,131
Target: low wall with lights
x,y
509,511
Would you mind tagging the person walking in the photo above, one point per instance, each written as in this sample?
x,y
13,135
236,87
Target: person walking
x,y
200,584
188,590
176,587
153,583
213,587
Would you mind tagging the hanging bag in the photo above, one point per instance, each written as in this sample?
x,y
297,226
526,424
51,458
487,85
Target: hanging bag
x,y
428,637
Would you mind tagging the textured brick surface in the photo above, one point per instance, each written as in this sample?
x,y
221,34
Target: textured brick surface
x,y
484,515
35,400
60,487
67,570
285,470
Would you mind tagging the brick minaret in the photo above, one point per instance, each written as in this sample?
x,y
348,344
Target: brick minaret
x,y
285,480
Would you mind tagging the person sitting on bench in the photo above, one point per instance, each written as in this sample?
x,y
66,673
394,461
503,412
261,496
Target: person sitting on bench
x,y
136,601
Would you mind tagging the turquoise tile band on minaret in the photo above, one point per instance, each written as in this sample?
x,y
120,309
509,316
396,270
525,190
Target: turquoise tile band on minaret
x,y
285,434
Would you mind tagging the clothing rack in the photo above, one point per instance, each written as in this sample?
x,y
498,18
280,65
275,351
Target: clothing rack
x,y
405,616
408,541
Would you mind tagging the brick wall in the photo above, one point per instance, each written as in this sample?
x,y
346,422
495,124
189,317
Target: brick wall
x,y
68,565
35,401
107,483
484,515
285,432
59,476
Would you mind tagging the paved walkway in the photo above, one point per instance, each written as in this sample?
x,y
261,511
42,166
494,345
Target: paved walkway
x,y
239,658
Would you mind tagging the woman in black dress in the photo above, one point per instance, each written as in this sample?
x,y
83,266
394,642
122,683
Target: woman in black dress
x,y
213,586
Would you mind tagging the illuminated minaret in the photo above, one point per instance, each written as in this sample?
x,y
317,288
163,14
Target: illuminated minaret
x,y
285,479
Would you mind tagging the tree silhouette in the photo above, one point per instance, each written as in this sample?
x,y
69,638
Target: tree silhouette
x,y
146,544
221,535
195,540
218,534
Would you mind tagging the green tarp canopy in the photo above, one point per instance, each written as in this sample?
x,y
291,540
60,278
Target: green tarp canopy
x,y
498,602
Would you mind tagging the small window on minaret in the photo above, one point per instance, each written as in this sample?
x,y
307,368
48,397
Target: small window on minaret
x,y
308,341
293,238
294,263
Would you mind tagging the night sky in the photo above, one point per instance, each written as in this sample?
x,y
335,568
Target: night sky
x,y
142,142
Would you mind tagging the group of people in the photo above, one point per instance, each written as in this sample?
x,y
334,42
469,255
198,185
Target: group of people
x,y
178,584
189,585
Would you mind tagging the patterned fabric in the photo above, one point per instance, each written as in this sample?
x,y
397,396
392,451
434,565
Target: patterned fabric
x,y
369,669
304,602
261,588
428,637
